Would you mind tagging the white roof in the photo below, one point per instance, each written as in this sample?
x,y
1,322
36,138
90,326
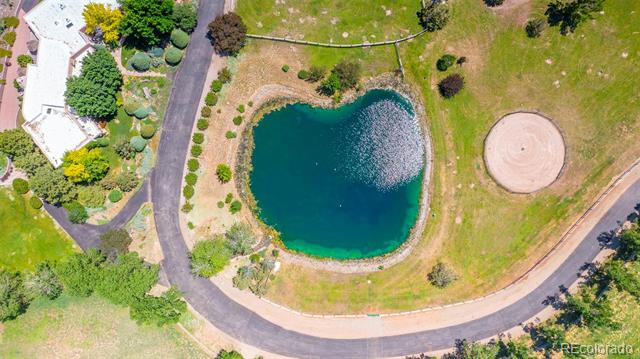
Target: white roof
x,y
57,132
57,25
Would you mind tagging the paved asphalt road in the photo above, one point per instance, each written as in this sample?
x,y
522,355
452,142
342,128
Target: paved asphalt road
x,y
245,325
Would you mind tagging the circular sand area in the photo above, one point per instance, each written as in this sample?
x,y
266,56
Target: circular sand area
x,y
524,152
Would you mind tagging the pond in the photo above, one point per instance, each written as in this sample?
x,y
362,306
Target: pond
x,y
342,183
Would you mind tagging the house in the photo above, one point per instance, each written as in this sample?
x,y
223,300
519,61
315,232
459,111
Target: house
x,y
57,24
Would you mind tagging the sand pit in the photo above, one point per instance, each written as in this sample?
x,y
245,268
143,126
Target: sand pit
x,y
524,152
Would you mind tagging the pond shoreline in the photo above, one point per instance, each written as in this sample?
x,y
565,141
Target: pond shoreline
x,y
364,265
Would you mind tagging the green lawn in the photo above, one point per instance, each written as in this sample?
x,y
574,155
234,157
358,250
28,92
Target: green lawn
x,y
487,234
28,236
89,328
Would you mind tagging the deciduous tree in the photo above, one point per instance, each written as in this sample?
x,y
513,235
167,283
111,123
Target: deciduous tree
x,y
146,22
228,33
103,21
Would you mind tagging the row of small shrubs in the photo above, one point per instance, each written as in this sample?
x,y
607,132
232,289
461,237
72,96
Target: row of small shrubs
x,y
142,61
21,187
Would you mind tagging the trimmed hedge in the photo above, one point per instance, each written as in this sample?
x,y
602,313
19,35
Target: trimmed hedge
x,y
141,61
173,56
285,68
202,124
142,113
196,150
216,85
138,143
303,75
188,191
211,99
147,131
179,38
156,52
198,138
131,107
115,196
35,202
20,186
193,165
191,178
445,62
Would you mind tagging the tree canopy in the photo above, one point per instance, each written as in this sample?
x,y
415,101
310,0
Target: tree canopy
x,y
103,22
52,186
228,33
85,165
434,16
146,22
569,14
185,16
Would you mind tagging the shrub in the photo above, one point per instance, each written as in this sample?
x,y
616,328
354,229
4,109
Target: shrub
x,y
205,112
445,62
303,75
98,143
235,207
156,52
202,124
91,196
240,239
84,165
52,186
230,135
141,61
127,181
220,204
43,283
115,196
493,3
24,60
348,73
285,68
10,38
179,38
13,296
131,107
166,309
209,257
451,85
173,56
211,99
193,165
229,355
216,85
124,149
228,33
224,75
126,279
147,131
237,120
81,272
191,179
20,186
186,208
11,21
35,202
534,27
441,275
462,60
185,16
434,16
188,191
224,173
198,138
138,143
115,242
142,112
316,73
196,150
240,108
228,198
76,212
330,85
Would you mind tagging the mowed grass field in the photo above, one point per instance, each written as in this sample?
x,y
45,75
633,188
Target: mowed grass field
x,y
70,327
586,82
28,236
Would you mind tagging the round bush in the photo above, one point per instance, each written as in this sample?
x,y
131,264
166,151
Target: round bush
x,y
202,124
115,196
205,112
35,202
193,165
131,107
230,135
303,75
142,113
188,191
224,173
147,131
77,213
493,3
535,27
216,85
196,150
179,38
445,62
156,52
173,56
220,204
21,186
285,68
211,99
237,120
138,143
451,85
141,61
191,178
198,138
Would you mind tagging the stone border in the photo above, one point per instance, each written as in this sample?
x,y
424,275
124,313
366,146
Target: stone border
x,y
564,143
243,167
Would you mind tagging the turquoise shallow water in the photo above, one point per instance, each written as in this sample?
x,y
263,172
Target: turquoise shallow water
x,y
341,183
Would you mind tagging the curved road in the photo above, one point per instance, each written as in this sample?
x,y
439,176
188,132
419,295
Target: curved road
x,y
245,325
